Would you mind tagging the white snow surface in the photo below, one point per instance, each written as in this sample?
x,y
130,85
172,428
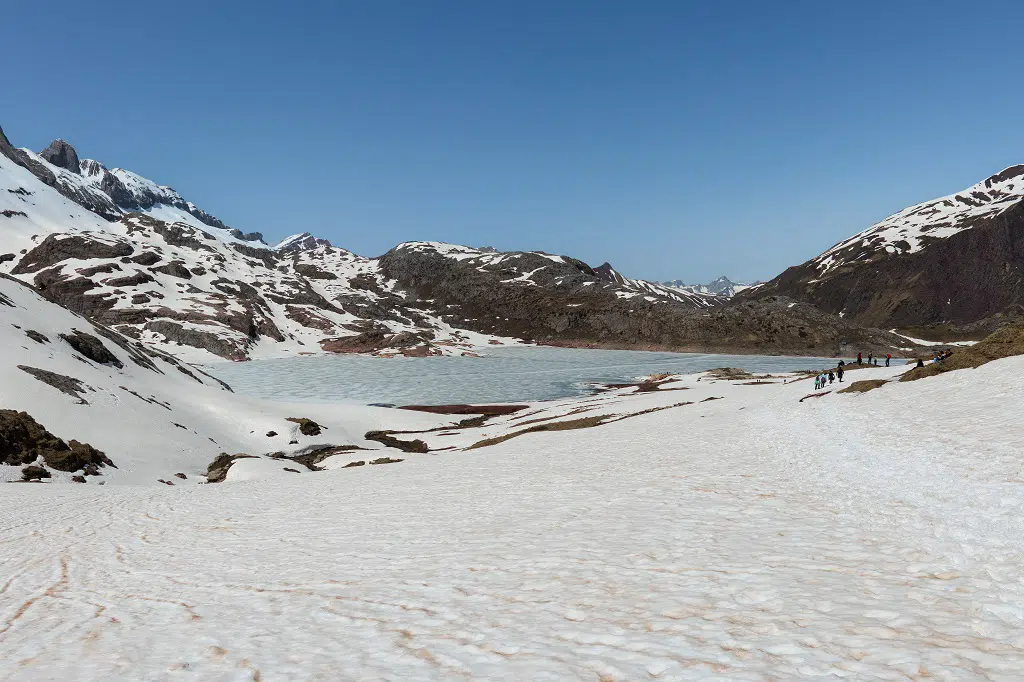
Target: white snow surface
x,y
872,536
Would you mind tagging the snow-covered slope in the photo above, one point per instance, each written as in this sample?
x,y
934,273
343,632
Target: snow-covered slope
x,y
151,415
945,265
914,228
751,537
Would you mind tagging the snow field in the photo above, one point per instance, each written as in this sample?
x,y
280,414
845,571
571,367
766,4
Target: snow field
x,y
756,537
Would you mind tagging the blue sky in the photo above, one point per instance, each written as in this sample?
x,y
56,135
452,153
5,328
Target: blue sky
x,y
674,139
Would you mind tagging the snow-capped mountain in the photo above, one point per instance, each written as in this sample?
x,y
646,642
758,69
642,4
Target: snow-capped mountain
x,y
723,286
111,194
138,257
953,260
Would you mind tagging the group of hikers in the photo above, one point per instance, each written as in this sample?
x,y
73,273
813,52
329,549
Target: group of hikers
x,y
873,359
825,378
938,358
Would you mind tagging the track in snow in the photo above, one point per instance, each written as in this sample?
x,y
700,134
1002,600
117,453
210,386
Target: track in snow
x,y
872,536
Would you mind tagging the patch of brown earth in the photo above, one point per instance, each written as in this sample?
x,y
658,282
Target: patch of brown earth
x,y
1004,343
491,410
385,438
864,386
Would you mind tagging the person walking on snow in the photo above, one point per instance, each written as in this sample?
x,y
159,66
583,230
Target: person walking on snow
x,y
888,357
831,377
839,370
860,359
870,357
817,381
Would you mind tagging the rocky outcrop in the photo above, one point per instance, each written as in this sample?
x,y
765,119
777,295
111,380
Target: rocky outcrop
x,y
65,384
62,154
91,347
24,441
217,471
56,248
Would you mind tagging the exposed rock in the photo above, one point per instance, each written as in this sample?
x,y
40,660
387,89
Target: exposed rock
x,y
196,338
34,473
98,269
62,154
65,384
271,434
138,278
59,247
181,476
354,464
146,258
175,269
218,469
307,427
23,440
385,460
313,272
91,347
385,438
78,479
36,336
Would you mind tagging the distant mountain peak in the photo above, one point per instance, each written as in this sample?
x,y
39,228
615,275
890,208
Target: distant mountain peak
x,y
304,241
722,286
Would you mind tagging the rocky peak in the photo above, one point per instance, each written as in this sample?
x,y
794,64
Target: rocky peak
x,y
606,272
63,155
1005,174
301,242
90,167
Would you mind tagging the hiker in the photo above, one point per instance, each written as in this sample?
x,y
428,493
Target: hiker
x,y
888,357
870,357
831,377
920,362
860,359
839,370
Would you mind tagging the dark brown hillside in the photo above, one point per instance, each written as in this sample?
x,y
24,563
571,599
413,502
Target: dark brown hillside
x,y
975,274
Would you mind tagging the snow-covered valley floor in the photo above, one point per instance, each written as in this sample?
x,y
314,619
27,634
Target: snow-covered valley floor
x,y
755,537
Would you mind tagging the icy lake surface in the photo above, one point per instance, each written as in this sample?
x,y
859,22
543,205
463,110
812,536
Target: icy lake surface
x,y
506,374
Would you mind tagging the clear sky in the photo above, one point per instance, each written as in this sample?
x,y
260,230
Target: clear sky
x,y
675,139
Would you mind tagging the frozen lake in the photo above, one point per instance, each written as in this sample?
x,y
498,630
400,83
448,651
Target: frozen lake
x,y
506,374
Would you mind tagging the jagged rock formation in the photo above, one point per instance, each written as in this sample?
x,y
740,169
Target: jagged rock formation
x,y
723,286
942,264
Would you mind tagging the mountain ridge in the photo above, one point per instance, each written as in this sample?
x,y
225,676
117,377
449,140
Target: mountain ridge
x,y
138,257
954,264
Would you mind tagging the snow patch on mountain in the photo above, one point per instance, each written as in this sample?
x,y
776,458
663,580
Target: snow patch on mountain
x,y
723,286
911,229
